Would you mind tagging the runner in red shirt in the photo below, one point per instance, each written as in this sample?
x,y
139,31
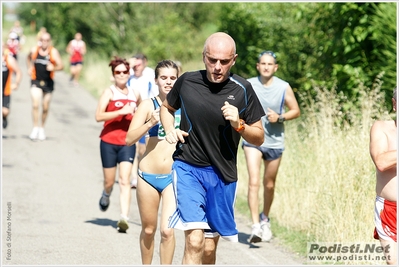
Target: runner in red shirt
x,y
76,48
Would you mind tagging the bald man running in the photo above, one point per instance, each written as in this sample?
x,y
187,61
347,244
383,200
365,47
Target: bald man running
x,y
205,159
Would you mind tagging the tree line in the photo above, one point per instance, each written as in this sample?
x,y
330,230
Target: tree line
x,y
345,46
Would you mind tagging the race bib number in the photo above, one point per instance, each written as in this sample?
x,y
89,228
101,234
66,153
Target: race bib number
x,y
161,130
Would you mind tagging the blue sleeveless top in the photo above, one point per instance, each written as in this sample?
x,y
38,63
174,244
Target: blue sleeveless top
x,y
158,130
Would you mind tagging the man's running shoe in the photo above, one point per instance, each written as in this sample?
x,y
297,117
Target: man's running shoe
x,y
104,202
122,226
256,234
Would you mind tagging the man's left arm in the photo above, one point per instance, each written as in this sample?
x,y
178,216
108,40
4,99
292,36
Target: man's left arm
x,y
292,105
252,133
17,71
58,61
383,158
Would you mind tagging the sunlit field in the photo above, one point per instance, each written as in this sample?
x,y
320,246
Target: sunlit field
x,y
326,182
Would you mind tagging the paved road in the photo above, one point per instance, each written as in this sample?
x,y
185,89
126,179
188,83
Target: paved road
x,y
50,193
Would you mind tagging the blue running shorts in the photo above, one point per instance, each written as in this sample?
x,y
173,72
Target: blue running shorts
x,y
204,201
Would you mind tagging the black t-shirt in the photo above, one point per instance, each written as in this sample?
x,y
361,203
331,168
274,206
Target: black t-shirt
x,y
212,140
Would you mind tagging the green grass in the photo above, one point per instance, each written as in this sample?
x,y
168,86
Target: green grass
x,y
293,239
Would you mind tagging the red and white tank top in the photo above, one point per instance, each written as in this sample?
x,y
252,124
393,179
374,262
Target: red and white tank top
x,y
77,47
115,130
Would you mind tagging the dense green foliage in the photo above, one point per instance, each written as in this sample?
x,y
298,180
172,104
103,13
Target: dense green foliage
x,y
337,45
160,30
342,45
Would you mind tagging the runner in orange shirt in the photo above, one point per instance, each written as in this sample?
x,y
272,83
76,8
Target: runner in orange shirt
x,y
10,66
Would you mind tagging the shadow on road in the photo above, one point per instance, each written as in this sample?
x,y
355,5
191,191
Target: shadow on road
x,y
9,136
243,239
103,222
25,136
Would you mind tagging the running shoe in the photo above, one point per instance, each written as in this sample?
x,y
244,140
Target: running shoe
x,y
41,135
266,231
122,226
34,134
104,202
256,235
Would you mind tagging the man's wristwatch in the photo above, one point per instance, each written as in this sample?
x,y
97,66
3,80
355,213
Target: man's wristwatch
x,y
281,119
241,126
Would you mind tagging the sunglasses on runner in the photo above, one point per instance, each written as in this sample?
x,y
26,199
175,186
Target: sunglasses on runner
x,y
119,72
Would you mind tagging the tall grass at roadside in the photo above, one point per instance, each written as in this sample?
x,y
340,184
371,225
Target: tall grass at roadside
x,y
326,182
96,74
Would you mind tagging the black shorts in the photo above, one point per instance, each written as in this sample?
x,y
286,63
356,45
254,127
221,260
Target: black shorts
x,y
267,153
6,101
76,63
46,86
111,155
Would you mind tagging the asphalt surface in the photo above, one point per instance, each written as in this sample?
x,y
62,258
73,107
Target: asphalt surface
x,y
51,189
